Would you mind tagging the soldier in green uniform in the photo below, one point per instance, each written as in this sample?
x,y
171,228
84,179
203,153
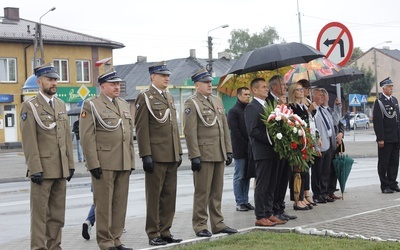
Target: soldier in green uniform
x,y
161,152
209,144
106,131
47,145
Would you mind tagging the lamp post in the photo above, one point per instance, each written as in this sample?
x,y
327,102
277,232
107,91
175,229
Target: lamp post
x,y
209,66
376,68
39,38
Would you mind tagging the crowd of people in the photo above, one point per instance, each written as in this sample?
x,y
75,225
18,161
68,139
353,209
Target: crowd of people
x,y
213,140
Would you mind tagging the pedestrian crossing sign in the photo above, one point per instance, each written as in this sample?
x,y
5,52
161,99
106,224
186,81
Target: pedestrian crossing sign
x,y
355,100
364,99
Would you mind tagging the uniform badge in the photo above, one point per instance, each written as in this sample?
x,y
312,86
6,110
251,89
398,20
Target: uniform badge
x,y
151,97
187,111
36,105
83,114
137,105
24,116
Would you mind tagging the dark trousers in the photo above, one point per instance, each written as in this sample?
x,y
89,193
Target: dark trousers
x,y
388,165
266,173
283,174
320,174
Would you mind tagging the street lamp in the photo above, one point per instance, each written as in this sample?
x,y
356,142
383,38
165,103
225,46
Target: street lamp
x,y
38,37
376,68
210,61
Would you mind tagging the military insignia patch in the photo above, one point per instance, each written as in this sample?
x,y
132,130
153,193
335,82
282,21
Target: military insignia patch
x,y
24,116
187,111
83,114
138,106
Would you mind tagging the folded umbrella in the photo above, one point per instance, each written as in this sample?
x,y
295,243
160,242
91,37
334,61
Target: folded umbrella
x,y
342,164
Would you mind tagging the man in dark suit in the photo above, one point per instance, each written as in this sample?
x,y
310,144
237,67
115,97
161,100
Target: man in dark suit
x,y
209,145
106,132
47,145
277,95
161,152
264,156
387,130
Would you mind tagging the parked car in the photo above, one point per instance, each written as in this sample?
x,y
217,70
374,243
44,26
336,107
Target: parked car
x,y
361,121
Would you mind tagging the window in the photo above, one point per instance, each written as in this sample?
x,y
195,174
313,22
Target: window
x,y
62,68
8,70
82,70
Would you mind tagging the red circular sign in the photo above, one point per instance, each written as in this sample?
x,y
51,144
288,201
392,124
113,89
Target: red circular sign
x,y
336,42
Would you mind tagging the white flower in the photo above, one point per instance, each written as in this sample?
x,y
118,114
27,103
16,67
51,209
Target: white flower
x,y
278,118
294,130
297,123
300,132
304,124
279,136
277,110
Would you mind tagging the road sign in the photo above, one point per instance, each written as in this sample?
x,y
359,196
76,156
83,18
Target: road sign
x,y
364,99
354,100
336,42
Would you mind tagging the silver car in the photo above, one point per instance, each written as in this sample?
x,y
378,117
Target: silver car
x,y
361,120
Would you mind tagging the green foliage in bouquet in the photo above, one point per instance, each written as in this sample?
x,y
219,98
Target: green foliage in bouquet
x,y
290,136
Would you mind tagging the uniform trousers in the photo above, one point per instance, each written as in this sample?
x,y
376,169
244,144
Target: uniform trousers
x,y
110,194
388,165
266,180
47,204
208,188
160,199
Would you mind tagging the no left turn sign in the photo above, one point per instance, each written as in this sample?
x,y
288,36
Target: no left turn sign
x,y
336,42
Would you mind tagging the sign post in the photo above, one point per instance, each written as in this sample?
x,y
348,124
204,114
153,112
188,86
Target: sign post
x,y
336,42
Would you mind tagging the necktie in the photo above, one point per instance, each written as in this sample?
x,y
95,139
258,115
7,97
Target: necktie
x,y
115,103
209,100
51,104
164,95
325,120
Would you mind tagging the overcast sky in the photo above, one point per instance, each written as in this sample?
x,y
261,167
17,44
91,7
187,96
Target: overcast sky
x,y
163,30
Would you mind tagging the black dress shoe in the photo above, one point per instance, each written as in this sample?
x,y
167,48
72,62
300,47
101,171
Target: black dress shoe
x,y
228,230
290,217
319,200
157,241
122,247
249,206
171,239
111,248
204,233
281,217
387,191
329,199
397,189
242,208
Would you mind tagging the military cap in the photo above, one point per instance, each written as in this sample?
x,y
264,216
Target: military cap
x,y
47,70
202,76
109,76
385,82
159,68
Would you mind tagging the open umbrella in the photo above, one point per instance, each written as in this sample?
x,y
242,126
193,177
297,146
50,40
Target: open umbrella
x,y
228,84
342,164
74,111
312,71
345,75
274,56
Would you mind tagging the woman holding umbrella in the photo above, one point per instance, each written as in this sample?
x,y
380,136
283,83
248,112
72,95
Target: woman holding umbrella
x,y
300,181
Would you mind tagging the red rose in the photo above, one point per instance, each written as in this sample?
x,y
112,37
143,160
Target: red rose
x,y
304,157
293,145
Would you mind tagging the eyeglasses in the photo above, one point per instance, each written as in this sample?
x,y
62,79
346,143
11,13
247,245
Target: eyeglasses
x,y
300,89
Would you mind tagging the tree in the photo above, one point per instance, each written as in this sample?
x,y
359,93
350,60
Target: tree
x,y
357,52
242,42
362,86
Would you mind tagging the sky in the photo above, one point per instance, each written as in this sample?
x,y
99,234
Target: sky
x,y
164,30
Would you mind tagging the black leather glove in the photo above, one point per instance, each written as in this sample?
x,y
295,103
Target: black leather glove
x,y
71,173
37,178
96,172
180,161
196,164
229,157
148,164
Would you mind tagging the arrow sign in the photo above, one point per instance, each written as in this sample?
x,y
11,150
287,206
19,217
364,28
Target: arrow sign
x,y
354,100
336,42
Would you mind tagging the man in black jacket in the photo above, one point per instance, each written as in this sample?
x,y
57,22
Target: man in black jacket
x,y
240,141
387,130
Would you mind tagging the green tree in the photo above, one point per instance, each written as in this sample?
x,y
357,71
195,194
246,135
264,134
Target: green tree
x,y
241,41
362,86
357,52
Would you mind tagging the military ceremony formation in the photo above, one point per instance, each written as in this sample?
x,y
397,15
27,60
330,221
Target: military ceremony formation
x,y
215,138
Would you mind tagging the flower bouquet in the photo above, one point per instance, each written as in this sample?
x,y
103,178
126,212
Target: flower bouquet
x,y
291,137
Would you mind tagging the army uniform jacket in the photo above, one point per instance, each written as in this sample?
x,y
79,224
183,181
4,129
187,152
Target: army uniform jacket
x,y
206,129
106,134
157,127
386,119
47,143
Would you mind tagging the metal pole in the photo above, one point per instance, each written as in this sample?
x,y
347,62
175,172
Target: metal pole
x,y
210,60
376,75
298,14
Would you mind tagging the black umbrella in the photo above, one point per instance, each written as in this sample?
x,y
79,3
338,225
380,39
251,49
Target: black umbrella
x,y
74,111
274,56
345,75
